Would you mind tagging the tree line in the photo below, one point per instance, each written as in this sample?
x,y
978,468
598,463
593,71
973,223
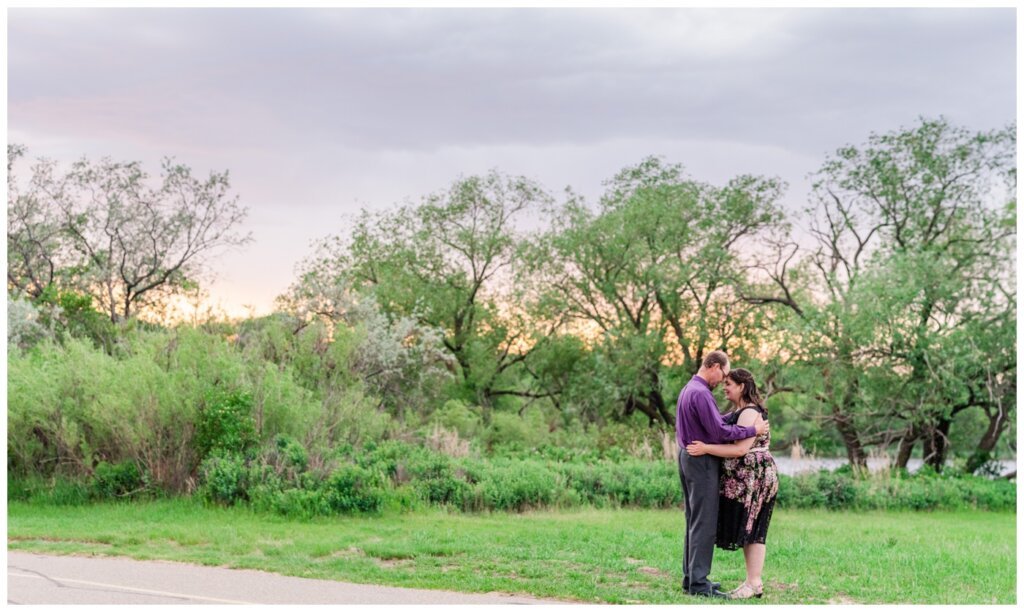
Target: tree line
x,y
880,312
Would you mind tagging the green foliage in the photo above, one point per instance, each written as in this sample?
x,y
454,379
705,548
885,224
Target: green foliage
x,y
225,479
294,456
226,424
926,490
26,327
553,356
348,489
515,485
649,275
433,264
164,400
907,304
53,491
74,315
351,488
456,415
437,480
507,429
62,224
405,476
118,480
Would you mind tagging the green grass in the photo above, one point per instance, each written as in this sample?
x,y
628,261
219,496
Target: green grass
x,y
615,556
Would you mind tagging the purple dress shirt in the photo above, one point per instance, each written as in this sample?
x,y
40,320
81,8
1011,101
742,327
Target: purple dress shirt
x,y
697,417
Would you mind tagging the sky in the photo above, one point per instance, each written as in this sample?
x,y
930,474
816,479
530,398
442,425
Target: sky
x,y
319,113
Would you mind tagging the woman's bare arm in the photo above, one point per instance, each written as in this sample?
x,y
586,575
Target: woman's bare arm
x,y
736,449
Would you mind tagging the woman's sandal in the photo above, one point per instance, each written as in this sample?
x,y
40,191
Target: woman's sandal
x,y
745,591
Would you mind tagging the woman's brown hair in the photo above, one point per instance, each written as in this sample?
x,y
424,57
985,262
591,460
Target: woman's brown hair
x,y
750,395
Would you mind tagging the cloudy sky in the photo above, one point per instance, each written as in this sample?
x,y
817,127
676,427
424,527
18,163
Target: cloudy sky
x,y
320,112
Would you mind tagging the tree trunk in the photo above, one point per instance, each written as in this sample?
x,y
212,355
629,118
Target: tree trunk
x,y
632,405
657,402
907,444
841,415
854,449
997,422
936,445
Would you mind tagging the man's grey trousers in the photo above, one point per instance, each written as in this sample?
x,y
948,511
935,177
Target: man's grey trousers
x,y
699,477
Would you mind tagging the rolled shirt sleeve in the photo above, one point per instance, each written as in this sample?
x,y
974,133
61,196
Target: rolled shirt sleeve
x,y
711,420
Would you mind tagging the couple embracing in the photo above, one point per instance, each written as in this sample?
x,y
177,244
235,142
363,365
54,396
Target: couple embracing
x,y
729,478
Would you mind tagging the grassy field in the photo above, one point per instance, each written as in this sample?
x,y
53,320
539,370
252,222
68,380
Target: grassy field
x,y
614,556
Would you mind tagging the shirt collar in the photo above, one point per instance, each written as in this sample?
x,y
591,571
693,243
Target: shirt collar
x,y
702,381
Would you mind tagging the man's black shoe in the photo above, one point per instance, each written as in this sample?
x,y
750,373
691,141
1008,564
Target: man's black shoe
x,y
714,585
713,594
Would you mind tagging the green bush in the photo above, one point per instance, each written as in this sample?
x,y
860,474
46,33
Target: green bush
x,y
293,502
289,456
351,488
164,399
838,489
514,485
225,424
507,429
457,416
643,484
896,491
225,479
117,480
436,481
391,457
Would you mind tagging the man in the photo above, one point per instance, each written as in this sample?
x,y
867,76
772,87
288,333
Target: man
x,y
697,418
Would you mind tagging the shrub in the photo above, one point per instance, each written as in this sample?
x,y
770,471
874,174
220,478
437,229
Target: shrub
x,y
226,424
225,479
644,484
457,416
436,481
507,429
25,328
448,442
117,480
351,488
899,491
293,502
516,485
350,416
289,455
391,458
838,489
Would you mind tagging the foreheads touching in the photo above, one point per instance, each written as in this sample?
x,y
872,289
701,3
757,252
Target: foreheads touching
x,y
715,368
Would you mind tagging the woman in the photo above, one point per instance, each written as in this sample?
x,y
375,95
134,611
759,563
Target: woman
x,y
749,482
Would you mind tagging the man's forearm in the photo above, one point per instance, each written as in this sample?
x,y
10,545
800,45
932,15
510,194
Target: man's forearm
x,y
726,451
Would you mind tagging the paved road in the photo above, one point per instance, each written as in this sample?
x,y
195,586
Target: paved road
x,y
46,579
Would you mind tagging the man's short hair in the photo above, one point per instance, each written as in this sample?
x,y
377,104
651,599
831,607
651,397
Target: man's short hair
x,y
718,357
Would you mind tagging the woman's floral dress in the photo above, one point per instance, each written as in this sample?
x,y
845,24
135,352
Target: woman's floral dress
x,y
749,485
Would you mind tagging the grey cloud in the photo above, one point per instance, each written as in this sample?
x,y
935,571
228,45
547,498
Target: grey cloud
x,y
323,111
426,78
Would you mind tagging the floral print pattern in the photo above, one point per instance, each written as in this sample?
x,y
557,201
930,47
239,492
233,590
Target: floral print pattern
x,y
749,486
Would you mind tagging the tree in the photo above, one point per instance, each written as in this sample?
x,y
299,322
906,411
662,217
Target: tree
x,y
448,262
652,271
911,265
36,243
102,229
